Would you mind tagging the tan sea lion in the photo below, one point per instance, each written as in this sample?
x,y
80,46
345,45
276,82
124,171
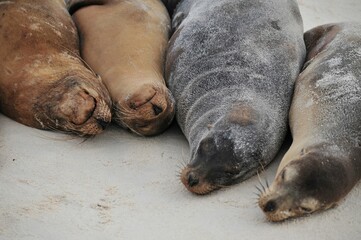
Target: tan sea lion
x,y
125,42
43,81
231,66
324,161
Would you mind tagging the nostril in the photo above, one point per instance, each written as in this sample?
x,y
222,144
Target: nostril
x,y
270,206
102,123
192,180
157,110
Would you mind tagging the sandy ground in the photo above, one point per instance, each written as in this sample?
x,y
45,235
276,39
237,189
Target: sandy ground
x,y
120,186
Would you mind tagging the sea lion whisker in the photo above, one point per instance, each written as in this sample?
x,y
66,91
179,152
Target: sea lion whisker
x,y
125,112
180,168
65,129
183,163
222,186
260,182
265,174
267,184
257,194
261,192
183,159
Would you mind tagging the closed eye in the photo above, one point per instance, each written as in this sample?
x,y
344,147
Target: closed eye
x,y
283,174
305,209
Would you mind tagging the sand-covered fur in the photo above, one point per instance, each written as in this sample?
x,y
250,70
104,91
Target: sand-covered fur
x,y
43,81
324,161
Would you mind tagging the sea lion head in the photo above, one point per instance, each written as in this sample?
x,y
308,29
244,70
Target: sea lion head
x,y
230,152
148,111
78,104
213,166
307,184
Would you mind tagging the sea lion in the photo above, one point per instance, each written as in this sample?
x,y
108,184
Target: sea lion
x,y
231,66
43,81
125,42
324,160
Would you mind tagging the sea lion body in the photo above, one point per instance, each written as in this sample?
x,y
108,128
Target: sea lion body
x,y
125,42
43,82
324,160
231,66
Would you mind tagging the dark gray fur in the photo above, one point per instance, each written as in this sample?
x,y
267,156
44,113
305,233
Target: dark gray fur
x,y
227,54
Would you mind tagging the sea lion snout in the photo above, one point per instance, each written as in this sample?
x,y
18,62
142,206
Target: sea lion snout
x,y
218,160
195,181
74,106
305,185
148,111
192,179
279,207
77,107
189,177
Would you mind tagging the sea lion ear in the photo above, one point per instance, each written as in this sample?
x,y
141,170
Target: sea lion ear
x,y
318,38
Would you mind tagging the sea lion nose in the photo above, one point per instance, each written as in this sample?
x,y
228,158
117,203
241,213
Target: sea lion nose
x,y
157,110
270,206
102,123
193,180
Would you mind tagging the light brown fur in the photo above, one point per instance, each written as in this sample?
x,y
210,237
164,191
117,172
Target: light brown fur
x,y
324,161
43,81
125,42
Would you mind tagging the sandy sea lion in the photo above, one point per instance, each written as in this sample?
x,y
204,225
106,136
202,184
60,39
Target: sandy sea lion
x,y
231,66
43,82
125,42
324,160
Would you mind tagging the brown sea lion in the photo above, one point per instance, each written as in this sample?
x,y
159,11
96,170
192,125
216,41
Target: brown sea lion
x,y
324,160
43,81
231,66
125,42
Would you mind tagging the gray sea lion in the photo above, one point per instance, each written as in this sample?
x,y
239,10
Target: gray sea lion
x,y
125,42
324,160
231,66
43,81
